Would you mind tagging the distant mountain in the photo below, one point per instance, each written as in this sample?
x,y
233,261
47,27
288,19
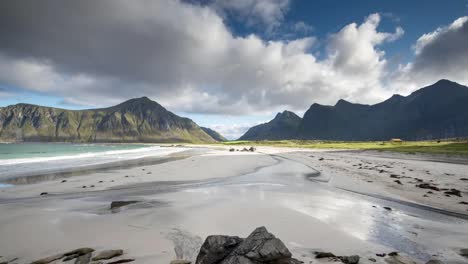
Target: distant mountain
x,y
283,126
136,120
436,111
215,135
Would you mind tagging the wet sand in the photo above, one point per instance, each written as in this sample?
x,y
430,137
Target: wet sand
x,y
312,200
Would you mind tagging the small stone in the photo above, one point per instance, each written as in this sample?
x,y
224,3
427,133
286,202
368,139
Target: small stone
x,y
121,261
434,261
44,193
372,260
118,204
48,259
428,186
70,257
399,182
100,182
350,259
108,254
454,192
324,255
83,259
392,254
387,208
63,181
321,159
381,255
79,251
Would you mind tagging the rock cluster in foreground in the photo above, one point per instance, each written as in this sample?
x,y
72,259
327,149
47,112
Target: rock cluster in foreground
x,y
259,247
85,256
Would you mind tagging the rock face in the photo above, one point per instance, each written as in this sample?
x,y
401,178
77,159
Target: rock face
x,y
283,126
259,247
136,120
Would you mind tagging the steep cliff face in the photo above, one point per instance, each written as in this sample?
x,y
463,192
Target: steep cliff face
x,y
136,120
436,111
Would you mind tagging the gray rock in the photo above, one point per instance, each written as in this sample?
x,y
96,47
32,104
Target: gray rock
x,y
217,247
83,259
350,259
48,259
117,204
121,261
320,255
70,257
237,260
79,251
108,254
464,252
261,246
434,261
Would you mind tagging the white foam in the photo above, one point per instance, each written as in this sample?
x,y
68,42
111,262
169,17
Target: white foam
x,y
12,167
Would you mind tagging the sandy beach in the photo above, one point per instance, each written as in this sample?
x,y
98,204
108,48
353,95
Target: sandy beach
x,y
346,202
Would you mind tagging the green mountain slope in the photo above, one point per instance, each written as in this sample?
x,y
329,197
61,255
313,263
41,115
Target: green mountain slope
x,y
214,134
136,120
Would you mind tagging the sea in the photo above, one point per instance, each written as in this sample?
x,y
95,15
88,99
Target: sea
x,y
29,159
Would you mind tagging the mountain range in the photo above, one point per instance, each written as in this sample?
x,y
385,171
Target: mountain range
x,y
136,120
436,111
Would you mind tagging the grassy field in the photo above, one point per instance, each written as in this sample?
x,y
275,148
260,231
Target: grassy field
x,y
443,147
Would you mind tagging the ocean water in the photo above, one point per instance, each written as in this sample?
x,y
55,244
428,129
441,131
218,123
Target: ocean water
x,y
29,159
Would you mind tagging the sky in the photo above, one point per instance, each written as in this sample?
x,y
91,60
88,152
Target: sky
x,y
227,65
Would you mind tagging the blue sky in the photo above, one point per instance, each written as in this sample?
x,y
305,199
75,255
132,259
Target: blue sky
x,y
228,64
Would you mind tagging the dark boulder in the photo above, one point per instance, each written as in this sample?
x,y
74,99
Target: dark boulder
x,y
117,204
350,259
216,248
258,248
320,255
121,261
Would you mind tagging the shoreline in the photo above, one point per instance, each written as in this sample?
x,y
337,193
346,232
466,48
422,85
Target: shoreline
x,y
83,170
215,191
